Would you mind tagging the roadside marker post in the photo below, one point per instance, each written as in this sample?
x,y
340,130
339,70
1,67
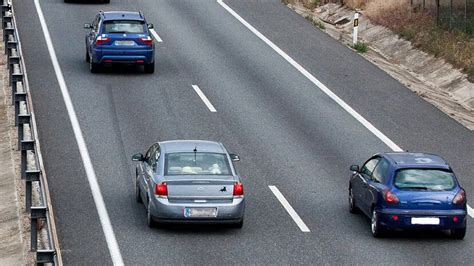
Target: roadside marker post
x,y
355,32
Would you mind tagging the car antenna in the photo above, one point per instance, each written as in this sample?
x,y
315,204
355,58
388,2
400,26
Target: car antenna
x,y
195,151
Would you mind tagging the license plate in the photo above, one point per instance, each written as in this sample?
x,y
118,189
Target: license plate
x,y
128,43
425,220
200,212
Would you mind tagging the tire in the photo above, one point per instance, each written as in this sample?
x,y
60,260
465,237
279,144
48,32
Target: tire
x,y
150,68
138,197
238,225
352,206
149,219
458,233
375,226
88,58
105,1
94,67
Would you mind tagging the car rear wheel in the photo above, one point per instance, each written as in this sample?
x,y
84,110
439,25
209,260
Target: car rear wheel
x,y
238,225
94,67
88,58
149,219
352,207
458,233
150,68
377,228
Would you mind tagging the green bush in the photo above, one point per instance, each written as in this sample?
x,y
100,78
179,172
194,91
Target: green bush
x,y
361,47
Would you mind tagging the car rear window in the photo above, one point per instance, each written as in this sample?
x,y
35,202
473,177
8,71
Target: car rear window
x,y
199,163
124,26
424,179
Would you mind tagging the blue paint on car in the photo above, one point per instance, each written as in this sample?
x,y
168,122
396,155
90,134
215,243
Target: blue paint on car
x,y
403,190
118,37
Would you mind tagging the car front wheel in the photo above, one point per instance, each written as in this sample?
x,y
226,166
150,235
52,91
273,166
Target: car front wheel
x,y
138,197
352,206
377,228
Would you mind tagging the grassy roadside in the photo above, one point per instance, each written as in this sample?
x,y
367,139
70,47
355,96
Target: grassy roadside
x,y
420,28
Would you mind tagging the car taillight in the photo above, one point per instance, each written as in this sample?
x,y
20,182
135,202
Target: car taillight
x,y
102,40
390,197
460,198
161,190
146,41
238,189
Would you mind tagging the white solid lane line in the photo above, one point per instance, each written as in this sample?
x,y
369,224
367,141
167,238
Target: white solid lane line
x,y
320,85
86,160
470,211
155,35
204,98
289,209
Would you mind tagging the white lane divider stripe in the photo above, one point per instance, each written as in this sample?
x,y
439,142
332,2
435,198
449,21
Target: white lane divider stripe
x,y
470,211
87,162
320,85
289,209
155,35
204,98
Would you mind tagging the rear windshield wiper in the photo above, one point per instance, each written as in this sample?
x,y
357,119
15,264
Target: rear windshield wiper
x,y
416,187
117,32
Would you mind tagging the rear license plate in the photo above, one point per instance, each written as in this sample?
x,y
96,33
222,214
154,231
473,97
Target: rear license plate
x,y
127,43
425,220
200,212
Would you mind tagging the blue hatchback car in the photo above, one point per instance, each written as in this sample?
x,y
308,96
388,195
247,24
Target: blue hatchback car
x,y
118,37
403,190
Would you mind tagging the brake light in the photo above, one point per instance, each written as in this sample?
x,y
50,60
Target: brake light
x,y
102,40
390,197
238,190
161,190
148,41
460,198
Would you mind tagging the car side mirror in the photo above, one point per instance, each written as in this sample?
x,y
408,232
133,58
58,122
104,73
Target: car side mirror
x,y
87,26
138,157
150,26
355,168
234,157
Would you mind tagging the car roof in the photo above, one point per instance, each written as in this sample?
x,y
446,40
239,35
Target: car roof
x,y
189,145
112,15
416,160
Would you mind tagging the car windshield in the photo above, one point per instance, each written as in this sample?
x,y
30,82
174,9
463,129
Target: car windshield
x,y
196,163
424,179
124,26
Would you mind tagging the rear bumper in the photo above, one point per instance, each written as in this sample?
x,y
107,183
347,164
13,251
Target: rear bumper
x,y
404,221
123,56
164,211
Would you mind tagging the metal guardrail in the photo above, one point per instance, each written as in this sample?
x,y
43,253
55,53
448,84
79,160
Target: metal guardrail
x,y
30,164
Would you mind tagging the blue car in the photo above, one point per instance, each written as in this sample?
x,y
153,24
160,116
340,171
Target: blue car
x,y
119,37
405,190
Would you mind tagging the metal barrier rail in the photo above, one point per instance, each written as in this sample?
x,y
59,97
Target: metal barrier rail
x,y
30,163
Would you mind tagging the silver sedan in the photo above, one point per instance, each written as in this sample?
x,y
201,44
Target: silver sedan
x,y
189,181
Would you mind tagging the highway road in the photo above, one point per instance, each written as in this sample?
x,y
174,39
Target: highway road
x,y
287,131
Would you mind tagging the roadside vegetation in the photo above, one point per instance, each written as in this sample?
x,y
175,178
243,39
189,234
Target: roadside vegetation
x,y
417,26
360,47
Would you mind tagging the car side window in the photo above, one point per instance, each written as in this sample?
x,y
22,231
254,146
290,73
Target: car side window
x,y
368,167
95,24
155,156
149,154
380,170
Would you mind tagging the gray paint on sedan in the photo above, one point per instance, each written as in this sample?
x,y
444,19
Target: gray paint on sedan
x,y
189,181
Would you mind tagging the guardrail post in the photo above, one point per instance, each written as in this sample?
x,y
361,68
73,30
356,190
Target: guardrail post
x,y
26,145
36,214
45,256
5,7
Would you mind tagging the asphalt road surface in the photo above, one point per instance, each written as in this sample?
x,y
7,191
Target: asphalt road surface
x,y
288,132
